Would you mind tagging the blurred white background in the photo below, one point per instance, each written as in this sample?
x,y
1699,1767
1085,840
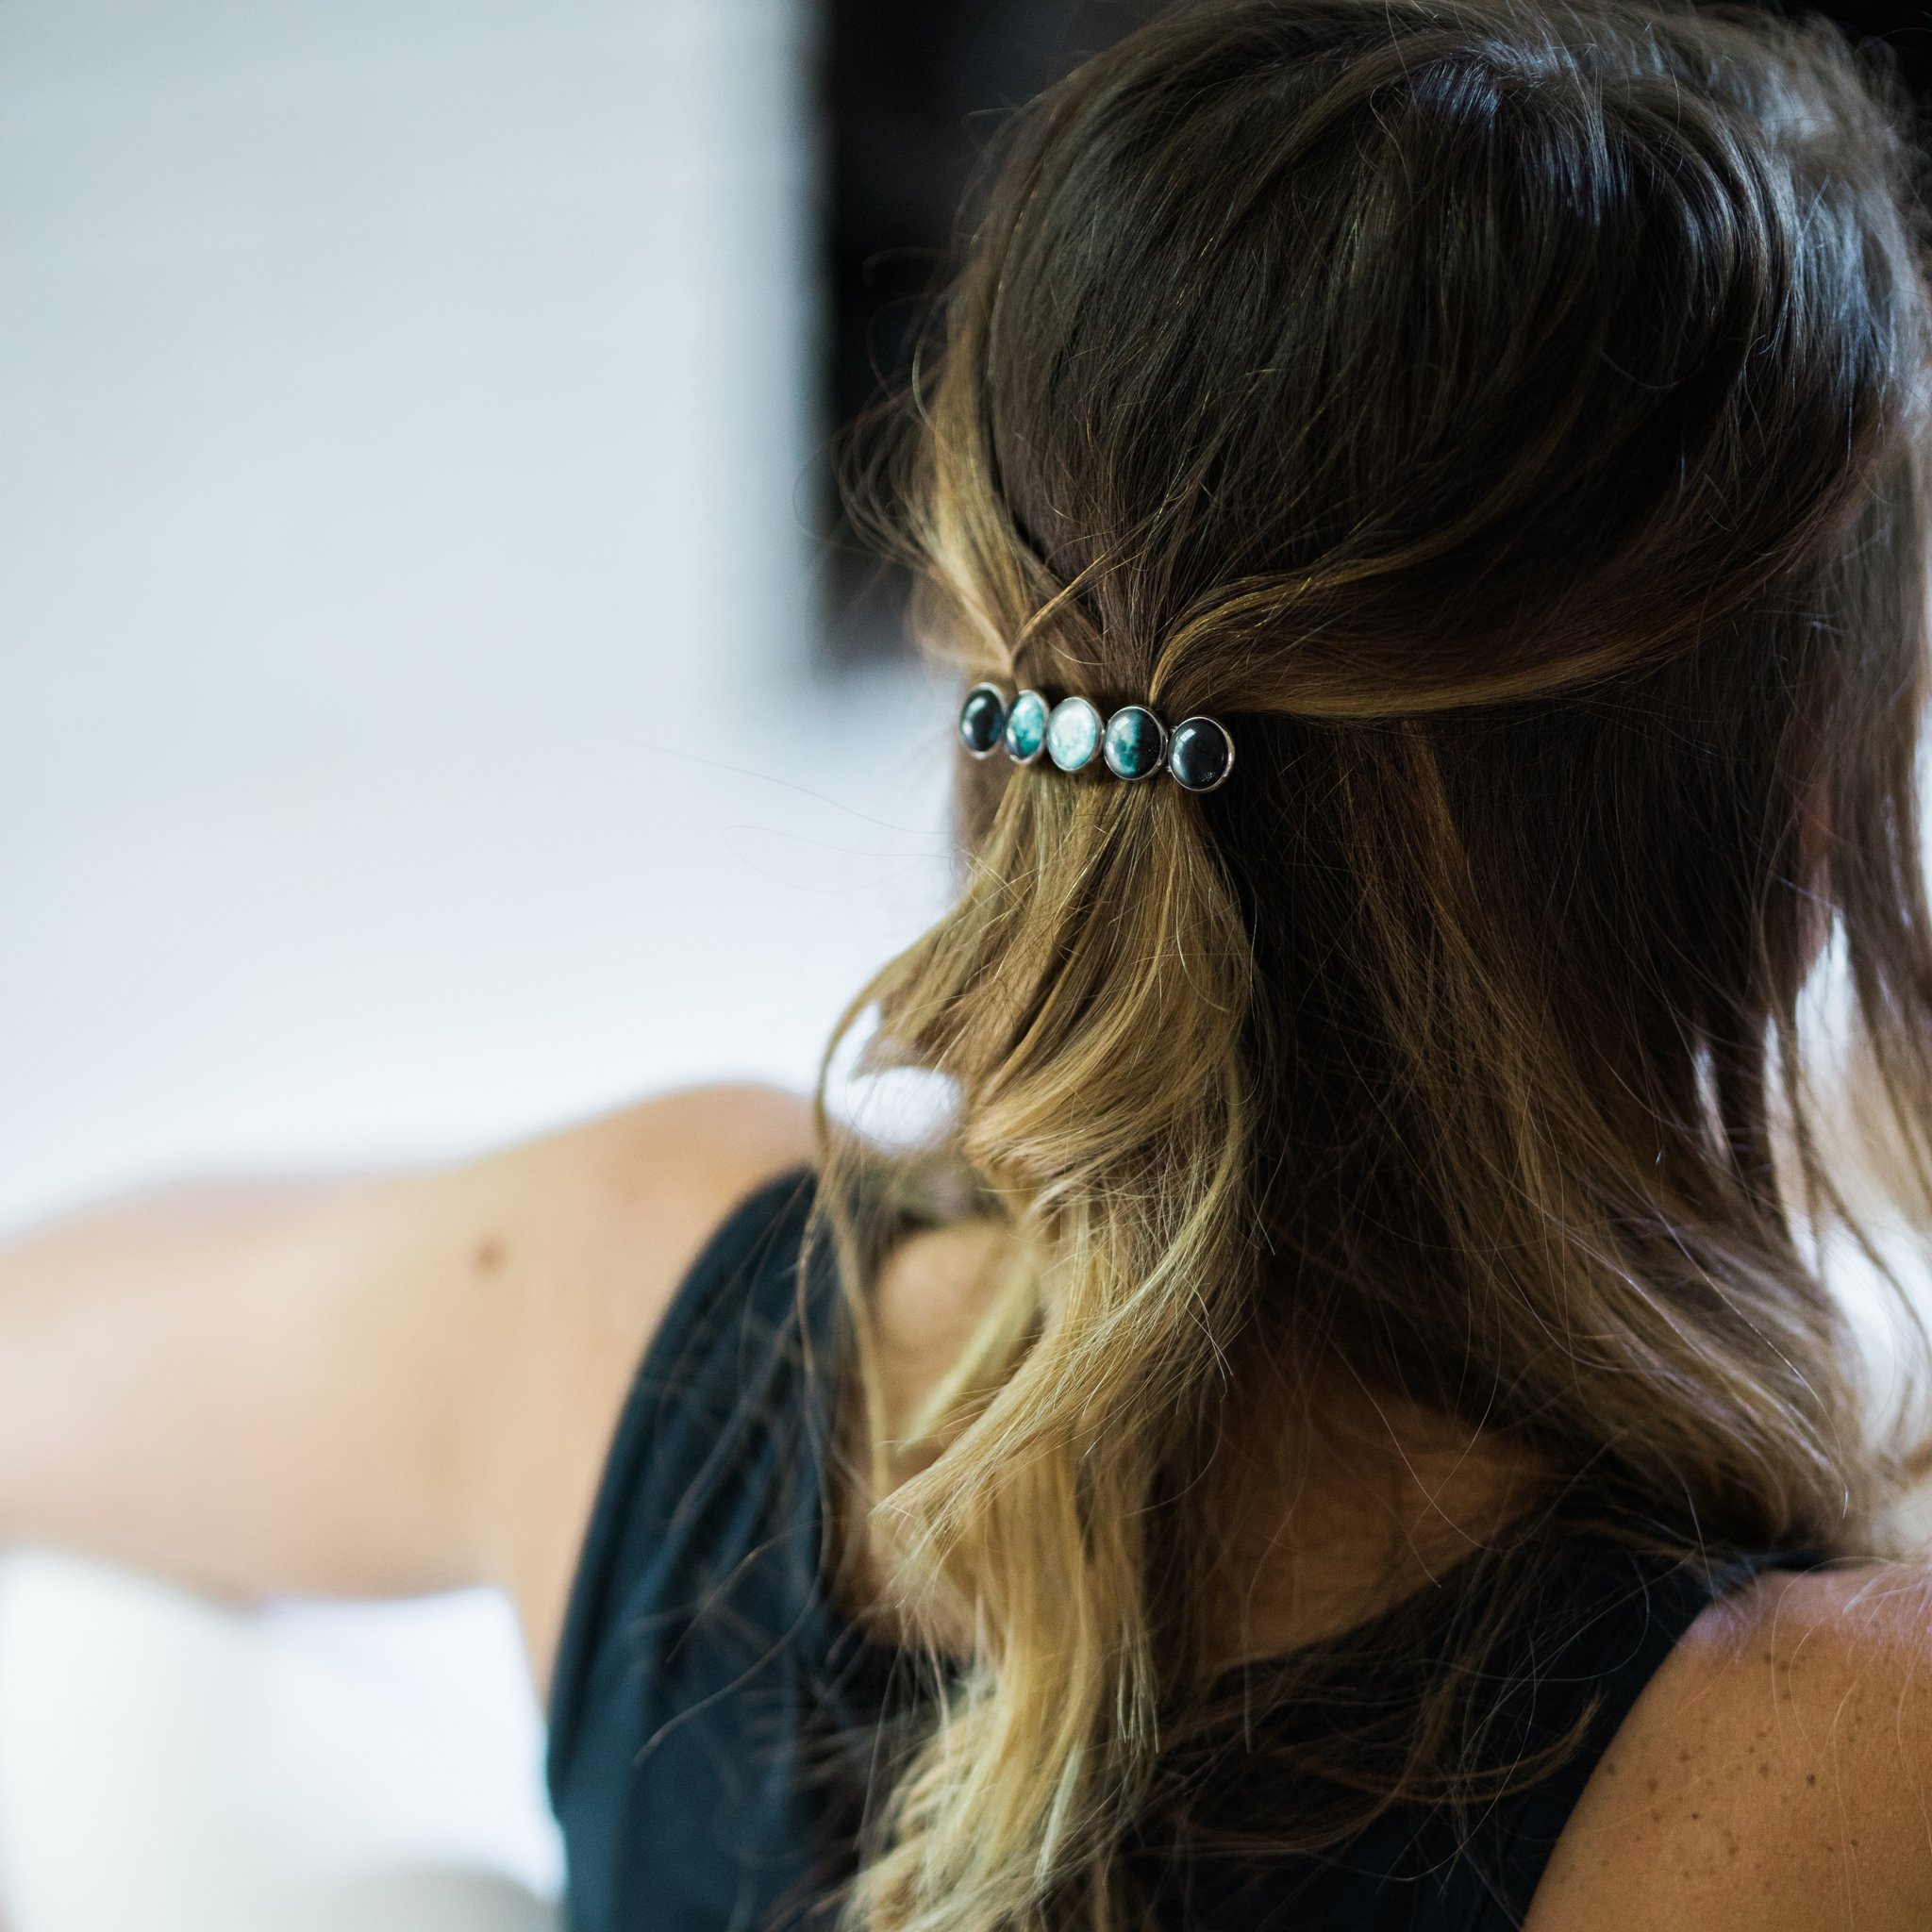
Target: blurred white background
x,y
408,742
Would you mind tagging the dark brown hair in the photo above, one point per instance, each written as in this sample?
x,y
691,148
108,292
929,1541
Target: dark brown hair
x,y
1510,419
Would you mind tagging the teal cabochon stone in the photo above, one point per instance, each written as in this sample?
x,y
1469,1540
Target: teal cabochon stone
x,y
1026,728
1072,734
1135,744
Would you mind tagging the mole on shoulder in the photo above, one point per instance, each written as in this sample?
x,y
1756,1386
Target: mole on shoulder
x,y
489,1256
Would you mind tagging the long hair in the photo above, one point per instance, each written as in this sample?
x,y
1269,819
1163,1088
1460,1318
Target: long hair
x,y
1510,419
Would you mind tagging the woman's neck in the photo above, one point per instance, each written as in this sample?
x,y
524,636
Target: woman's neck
x,y
1333,1502
1339,1503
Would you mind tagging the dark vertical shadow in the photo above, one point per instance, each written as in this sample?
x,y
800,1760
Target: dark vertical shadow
x,y
910,94
1907,29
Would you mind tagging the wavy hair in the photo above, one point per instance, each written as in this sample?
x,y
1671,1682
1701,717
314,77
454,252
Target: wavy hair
x,y
1509,418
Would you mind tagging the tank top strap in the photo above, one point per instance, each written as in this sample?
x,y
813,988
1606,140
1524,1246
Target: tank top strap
x,y
1556,1681
1588,1659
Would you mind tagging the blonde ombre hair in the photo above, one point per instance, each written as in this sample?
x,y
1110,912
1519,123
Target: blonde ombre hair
x,y
1509,418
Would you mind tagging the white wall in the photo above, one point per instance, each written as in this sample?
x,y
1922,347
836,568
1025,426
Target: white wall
x,y
407,741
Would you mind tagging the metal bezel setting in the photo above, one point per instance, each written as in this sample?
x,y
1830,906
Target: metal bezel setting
x,y
1152,770
1039,751
1069,705
1227,739
999,736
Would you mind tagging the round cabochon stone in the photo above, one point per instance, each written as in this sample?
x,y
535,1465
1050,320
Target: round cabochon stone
x,y
1072,734
1026,728
1200,753
982,716
1135,744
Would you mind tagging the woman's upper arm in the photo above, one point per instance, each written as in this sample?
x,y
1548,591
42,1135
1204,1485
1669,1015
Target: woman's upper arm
x,y
370,1387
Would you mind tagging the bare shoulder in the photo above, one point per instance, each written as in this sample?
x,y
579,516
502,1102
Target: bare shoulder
x,y
579,1243
1777,1770
582,1236
654,1179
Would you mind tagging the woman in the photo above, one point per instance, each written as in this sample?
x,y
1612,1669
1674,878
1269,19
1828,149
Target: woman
x,y
1346,1426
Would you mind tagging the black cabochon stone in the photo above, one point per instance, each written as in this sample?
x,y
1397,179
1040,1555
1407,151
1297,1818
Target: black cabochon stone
x,y
982,718
1200,753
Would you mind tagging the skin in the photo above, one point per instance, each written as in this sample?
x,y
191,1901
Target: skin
x,y
409,1383
365,1388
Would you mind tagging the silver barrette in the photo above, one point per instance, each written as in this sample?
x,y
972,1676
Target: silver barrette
x,y
1133,744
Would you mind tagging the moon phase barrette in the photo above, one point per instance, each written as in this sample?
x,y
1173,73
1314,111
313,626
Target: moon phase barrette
x,y
1133,744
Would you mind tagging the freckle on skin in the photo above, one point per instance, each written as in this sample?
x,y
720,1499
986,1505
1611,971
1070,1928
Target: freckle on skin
x,y
1653,1786
489,1256
1810,1778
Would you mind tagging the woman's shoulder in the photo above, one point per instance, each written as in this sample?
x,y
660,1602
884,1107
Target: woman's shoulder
x,y
1777,1770
624,1207
687,1158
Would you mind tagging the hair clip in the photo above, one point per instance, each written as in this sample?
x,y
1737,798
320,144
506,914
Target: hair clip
x,y
1197,754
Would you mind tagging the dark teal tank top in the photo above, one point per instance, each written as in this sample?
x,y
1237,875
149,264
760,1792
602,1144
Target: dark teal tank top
x,y
713,1716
